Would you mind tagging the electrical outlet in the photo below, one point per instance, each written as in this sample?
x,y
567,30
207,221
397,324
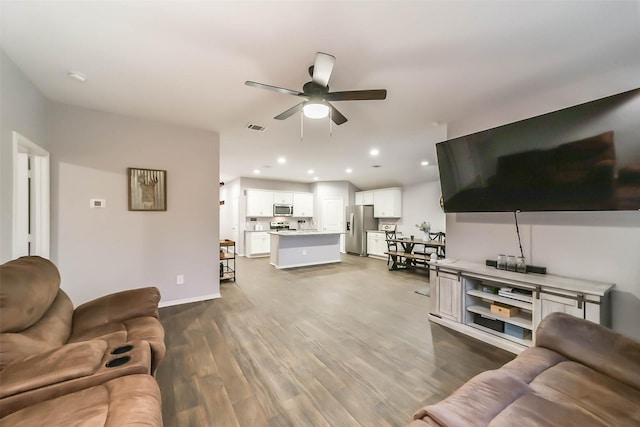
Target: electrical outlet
x,y
180,279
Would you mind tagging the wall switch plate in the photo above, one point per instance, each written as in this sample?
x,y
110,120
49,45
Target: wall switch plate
x,y
180,279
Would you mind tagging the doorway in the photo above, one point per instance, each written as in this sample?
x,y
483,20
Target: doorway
x,y
30,198
333,217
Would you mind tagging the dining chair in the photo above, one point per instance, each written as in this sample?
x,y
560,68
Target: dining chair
x,y
391,246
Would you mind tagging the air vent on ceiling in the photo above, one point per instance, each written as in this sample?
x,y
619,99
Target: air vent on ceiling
x,y
253,126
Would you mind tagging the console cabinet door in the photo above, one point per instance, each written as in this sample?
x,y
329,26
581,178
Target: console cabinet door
x,y
554,303
446,300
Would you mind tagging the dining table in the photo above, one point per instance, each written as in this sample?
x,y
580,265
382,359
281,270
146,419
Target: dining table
x,y
407,257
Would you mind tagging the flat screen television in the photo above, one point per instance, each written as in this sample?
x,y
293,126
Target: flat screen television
x,y
582,158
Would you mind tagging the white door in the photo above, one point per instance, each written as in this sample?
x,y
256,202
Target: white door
x,y
333,217
30,198
235,233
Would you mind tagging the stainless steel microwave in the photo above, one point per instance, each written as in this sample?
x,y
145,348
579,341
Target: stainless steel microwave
x,y
282,210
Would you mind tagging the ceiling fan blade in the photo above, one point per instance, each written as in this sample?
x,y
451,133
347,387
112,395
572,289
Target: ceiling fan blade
x,y
290,112
357,95
322,68
337,117
275,88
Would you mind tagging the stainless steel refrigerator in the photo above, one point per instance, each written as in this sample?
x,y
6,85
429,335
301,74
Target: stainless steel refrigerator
x,y
359,219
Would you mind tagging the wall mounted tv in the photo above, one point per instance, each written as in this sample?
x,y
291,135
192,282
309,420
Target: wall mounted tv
x,y
582,158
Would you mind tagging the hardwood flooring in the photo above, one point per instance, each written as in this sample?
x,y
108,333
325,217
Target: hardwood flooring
x,y
345,344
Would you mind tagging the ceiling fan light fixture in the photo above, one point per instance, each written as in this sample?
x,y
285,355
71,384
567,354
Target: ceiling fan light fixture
x,y
315,110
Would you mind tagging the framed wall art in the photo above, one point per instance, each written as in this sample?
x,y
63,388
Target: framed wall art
x,y
147,189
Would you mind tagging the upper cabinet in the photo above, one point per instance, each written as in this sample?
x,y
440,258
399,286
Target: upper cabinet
x,y
387,202
303,205
259,203
282,197
364,198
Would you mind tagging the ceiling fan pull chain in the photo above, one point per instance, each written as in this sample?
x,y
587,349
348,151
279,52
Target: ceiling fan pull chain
x,y
301,126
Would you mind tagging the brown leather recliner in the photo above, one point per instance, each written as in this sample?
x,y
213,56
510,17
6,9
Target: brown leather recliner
x,y
49,351
578,374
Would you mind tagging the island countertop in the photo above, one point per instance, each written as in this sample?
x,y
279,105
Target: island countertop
x,y
303,232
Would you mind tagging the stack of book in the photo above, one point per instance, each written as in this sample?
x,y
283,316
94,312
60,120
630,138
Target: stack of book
x,y
516,293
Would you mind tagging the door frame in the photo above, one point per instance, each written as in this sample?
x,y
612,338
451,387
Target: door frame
x,y
40,196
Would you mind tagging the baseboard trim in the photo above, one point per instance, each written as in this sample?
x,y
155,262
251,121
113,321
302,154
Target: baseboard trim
x,y
188,300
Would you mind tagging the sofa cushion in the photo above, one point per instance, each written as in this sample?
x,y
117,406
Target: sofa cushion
x,y
604,399
531,410
478,401
28,286
593,345
129,400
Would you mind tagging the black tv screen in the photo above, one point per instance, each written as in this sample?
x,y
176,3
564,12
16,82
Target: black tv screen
x,y
585,157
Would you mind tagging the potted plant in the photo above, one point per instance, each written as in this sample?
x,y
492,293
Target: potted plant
x,y
425,227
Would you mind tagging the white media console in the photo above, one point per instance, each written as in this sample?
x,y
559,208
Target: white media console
x,y
474,299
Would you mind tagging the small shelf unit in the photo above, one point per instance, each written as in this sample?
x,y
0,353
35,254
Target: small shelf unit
x,y
227,260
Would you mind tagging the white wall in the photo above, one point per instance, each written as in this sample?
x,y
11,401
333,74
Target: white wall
x,y
23,110
99,251
421,202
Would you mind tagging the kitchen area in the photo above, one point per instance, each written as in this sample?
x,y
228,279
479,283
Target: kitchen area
x,y
276,223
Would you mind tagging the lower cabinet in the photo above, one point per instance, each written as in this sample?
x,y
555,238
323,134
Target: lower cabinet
x,y
376,244
257,243
504,308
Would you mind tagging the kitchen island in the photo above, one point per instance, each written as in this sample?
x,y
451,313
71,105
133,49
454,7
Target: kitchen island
x,y
302,248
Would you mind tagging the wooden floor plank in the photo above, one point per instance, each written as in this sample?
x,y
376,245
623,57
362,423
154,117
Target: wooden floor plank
x,y
345,344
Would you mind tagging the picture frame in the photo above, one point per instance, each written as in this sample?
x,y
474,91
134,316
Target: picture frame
x,y
147,189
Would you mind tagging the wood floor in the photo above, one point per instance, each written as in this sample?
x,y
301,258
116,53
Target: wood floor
x,y
346,344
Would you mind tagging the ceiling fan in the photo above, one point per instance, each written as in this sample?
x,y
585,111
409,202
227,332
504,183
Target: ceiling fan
x,y
317,93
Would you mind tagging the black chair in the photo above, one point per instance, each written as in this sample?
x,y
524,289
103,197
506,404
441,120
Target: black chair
x,y
391,246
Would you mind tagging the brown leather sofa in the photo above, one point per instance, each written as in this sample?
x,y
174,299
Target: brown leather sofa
x,y
578,374
88,366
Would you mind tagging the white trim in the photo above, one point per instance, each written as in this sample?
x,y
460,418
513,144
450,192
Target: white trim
x,y
41,198
189,300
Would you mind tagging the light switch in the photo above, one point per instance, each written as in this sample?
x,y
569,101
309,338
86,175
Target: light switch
x,y
97,203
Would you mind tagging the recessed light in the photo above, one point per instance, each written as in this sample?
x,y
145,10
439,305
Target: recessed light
x,y
424,163
256,171
282,160
374,152
349,170
310,171
77,76
315,178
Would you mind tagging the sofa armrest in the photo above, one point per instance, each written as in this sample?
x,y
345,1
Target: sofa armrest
x,y
54,366
116,307
593,345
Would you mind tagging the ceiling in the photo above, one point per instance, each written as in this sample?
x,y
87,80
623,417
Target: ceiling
x,y
449,68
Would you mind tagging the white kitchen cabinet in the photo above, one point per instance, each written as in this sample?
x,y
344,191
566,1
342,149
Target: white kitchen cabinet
x,y
259,203
257,243
364,198
303,205
376,244
282,197
387,203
